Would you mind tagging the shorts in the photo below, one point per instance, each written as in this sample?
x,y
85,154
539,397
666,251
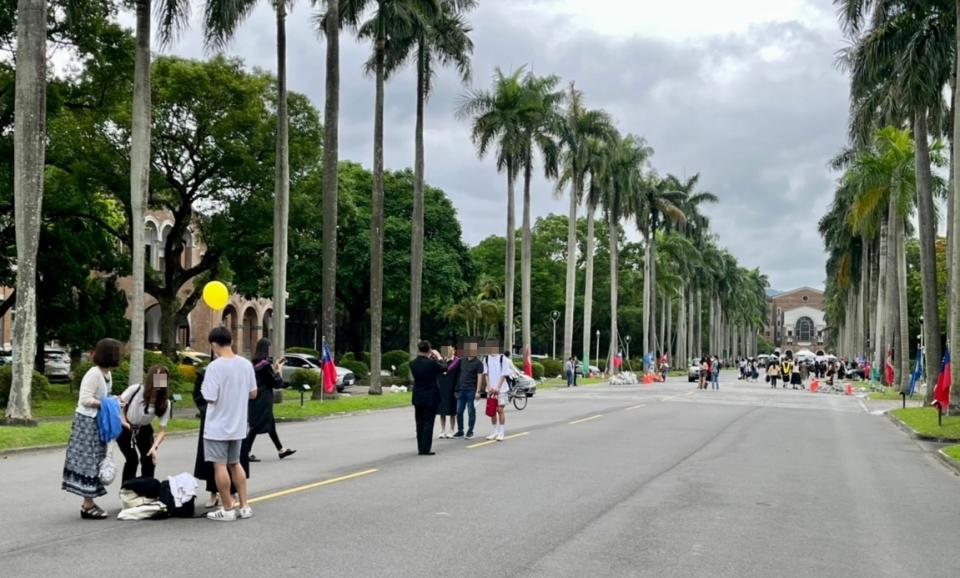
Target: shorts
x,y
222,451
502,399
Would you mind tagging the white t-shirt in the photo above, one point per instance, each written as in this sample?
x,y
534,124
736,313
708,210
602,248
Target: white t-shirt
x,y
226,386
495,366
136,414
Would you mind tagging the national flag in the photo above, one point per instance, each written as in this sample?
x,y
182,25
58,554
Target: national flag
x,y
329,371
917,373
888,370
941,395
618,361
527,363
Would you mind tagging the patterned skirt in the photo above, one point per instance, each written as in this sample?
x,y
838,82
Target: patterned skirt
x,y
81,469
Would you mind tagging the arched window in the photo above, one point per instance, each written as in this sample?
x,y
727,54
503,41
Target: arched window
x,y
805,330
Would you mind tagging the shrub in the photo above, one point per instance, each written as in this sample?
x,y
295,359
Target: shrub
x,y
358,368
120,377
552,367
303,351
303,377
151,358
38,387
538,370
394,358
79,371
403,371
348,356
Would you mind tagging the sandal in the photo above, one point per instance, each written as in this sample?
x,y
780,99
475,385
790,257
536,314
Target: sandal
x,y
213,503
93,513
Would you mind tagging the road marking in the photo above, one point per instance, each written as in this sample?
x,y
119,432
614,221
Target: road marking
x,y
636,406
491,442
312,486
592,417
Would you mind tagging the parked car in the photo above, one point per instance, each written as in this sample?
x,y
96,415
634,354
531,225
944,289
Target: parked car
x,y
188,363
295,361
56,365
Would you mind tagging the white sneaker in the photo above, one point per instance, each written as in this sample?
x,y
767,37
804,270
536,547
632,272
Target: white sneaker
x,y
444,435
492,436
500,437
222,515
245,513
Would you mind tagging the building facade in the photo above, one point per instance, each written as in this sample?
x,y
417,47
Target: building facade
x,y
796,320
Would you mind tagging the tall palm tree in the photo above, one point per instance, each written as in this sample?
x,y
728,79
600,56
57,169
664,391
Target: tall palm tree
x,y
954,265
221,20
440,38
29,142
331,138
499,117
391,19
576,128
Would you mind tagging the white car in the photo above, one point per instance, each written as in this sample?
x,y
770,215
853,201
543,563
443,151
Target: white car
x,y
295,361
56,365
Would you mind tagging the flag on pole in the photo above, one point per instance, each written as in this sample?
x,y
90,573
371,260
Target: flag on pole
x,y
888,369
329,371
527,363
941,395
917,374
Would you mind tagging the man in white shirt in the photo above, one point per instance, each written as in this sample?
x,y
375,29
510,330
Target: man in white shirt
x,y
229,383
497,369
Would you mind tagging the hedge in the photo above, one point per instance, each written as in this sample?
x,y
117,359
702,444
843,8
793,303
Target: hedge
x,y
394,359
552,367
403,371
358,368
303,351
38,387
538,370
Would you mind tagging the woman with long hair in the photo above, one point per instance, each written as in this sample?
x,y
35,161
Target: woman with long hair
x,y
136,441
260,413
85,451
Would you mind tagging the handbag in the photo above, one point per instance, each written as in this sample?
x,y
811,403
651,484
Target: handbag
x,y
108,468
491,406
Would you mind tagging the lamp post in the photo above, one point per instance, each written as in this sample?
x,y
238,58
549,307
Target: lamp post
x,y
628,347
598,346
555,315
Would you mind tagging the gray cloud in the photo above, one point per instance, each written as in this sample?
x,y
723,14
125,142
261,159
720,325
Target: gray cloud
x,y
757,114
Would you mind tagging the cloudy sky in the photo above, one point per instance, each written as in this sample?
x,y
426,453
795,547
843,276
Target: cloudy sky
x,y
744,92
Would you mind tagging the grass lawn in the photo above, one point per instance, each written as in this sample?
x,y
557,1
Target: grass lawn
x,y
953,452
562,382
890,393
290,408
58,433
923,420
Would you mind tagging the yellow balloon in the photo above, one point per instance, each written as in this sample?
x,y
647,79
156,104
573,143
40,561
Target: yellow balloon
x,y
216,295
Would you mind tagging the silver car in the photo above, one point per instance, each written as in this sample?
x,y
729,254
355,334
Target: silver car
x,y
56,365
295,361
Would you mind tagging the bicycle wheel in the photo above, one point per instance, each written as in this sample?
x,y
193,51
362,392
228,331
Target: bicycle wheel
x,y
520,401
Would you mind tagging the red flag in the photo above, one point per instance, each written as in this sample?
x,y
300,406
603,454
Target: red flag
x,y
329,371
889,373
941,394
528,363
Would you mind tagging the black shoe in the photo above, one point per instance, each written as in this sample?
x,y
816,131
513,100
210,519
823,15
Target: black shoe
x,y
254,458
428,453
469,435
285,453
459,434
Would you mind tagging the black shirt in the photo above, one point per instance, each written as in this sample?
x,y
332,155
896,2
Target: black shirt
x,y
425,373
470,371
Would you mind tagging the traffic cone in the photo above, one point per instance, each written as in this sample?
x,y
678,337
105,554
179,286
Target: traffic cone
x,y
647,379
814,385
849,388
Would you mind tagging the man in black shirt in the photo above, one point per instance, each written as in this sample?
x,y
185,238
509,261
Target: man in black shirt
x,y
426,368
471,368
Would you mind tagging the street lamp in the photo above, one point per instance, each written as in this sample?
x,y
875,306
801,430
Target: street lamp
x,y
555,315
628,347
598,346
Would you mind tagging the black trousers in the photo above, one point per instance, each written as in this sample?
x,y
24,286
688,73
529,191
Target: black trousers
x,y
425,415
134,447
252,437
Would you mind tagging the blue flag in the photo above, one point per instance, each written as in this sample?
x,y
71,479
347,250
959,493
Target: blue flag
x,y
917,373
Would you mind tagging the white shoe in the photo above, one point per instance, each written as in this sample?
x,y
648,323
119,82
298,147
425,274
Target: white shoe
x,y
500,437
245,513
492,436
222,515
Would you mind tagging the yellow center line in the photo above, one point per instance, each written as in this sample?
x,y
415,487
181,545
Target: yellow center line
x,y
636,406
592,417
312,486
490,442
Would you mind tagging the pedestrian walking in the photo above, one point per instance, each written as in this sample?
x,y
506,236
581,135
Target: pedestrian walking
x,y
228,385
143,404
498,373
773,373
85,450
269,375
426,369
471,368
795,379
448,397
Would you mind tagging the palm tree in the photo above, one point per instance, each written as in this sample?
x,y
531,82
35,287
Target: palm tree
x,y
331,29
29,142
221,20
575,130
954,265
392,19
696,227
499,118
440,38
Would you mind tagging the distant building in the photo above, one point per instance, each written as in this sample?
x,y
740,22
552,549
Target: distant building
x,y
796,319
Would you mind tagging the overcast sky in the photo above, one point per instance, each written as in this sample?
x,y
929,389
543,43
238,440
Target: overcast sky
x,y
745,92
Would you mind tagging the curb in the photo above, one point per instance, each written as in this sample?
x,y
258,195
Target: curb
x,y
913,433
948,461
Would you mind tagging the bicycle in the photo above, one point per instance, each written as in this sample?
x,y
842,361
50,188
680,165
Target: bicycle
x,y
518,395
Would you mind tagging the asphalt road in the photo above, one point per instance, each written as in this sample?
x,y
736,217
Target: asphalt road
x,y
602,481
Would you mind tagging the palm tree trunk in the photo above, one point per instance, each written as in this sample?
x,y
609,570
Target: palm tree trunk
x,y
879,353
29,141
376,229
698,341
905,337
662,336
926,229
416,251
891,322
653,294
588,285
681,352
668,342
526,262
571,271
281,199
711,329
330,182
954,224
139,182
647,280
511,257
862,311
614,285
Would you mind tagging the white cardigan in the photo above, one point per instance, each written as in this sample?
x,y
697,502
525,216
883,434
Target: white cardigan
x,y
95,386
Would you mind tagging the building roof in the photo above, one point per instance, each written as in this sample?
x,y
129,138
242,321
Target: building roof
x,y
798,289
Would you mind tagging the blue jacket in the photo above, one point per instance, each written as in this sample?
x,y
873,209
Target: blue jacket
x,y
108,419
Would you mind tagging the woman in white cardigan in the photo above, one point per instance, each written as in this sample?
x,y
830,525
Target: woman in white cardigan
x,y
85,451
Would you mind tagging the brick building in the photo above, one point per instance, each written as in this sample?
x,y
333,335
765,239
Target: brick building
x,y
796,319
